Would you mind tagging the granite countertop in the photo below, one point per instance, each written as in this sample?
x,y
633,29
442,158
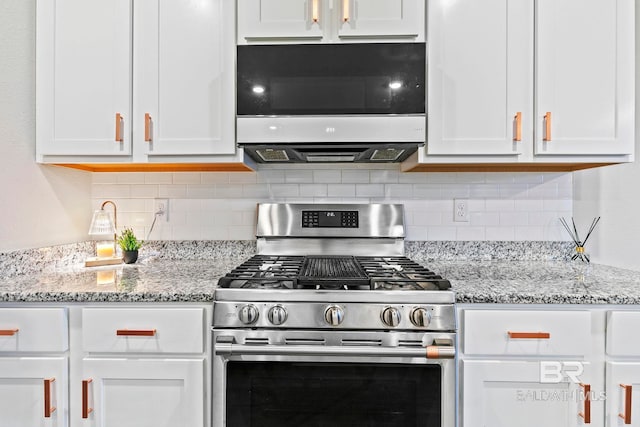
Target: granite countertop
x,y
189,272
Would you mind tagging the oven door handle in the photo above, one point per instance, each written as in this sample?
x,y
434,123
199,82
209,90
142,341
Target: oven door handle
x,y
429,352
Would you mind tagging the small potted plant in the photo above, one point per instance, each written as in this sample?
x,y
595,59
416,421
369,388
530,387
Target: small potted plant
x,y
129,244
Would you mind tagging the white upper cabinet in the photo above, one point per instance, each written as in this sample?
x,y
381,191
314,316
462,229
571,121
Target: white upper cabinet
x,y
584,77
480,96
135,78
83,74
530,81
330,21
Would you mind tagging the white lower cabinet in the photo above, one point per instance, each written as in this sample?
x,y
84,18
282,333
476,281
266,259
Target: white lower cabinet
x,y
33,392
531,366
127,392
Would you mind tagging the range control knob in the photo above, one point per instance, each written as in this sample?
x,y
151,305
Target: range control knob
x,y
248,314
420,317
334,315
277,315
390,316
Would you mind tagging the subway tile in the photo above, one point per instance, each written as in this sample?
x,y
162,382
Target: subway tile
x,y
189,232
470,233
214,178
498,205
201,191
450,191
298,176
313,190
383,176
186,178
533,205
514,191
109,191
412,178
214,233
270,176
172,191
355,177
144,191
484,190
499,178
158,178
484,219
500,233
534,233
528,178
242,232
427,218
259,191
441,233
243,178
131,178
543,191
509,219
370,190
284,190
470,178
229,191
341,190
398,191
416,233
557,205
427,191
327,176
104,178
440,178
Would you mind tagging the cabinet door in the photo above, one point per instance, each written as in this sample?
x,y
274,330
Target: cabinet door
x,y
623,399
27,386
404,19
184,77
480,77
83,77
511,393
584,77
143,392
261,20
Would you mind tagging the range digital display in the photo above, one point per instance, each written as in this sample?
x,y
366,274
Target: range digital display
x,y
330,219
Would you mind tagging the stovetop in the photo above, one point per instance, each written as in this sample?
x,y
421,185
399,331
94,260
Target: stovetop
x,y
333,273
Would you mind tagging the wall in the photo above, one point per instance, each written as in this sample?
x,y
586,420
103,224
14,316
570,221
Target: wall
x,y
613,193
39,205
215,205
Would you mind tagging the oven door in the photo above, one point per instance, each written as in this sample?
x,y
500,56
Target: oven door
x,y
316,382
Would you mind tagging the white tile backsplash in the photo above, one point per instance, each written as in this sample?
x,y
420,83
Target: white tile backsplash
x,y
222,205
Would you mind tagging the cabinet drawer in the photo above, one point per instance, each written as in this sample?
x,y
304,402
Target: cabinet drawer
x,y
33,329
511,332
622,332
147,330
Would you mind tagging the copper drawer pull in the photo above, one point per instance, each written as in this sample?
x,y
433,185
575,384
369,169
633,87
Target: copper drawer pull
x,y
147,127
136,332
626,416
8,332
529,335
85,398
345,10
586,413
315,11
119,124
518,121
48,409
547,127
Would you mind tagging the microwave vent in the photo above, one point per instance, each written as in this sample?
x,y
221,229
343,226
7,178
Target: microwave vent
x,y
386,155
271,155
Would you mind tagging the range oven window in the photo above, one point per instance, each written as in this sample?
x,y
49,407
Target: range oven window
x,y
330,394
327,79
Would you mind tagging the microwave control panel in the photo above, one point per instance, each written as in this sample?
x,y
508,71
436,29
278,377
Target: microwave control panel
x,y
330,219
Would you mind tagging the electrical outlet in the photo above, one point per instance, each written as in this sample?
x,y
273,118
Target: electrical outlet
x,y
460,210
161,208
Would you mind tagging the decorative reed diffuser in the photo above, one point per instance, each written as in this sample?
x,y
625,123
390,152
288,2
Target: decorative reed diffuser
x,y
580,253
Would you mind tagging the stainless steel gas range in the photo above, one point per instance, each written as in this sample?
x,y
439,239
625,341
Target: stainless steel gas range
x,y
331,325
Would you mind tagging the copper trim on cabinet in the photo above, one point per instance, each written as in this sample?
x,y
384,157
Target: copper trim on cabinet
x,y
85,398
119,121
136,332
547,126
518,122
147,127
586,413
48,409
8,332
626,415
315,11
529,335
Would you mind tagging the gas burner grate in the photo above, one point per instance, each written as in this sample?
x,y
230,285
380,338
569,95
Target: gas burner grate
x,y
400,273
332,272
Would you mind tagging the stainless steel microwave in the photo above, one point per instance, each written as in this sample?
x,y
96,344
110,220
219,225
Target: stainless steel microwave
x,y
360,102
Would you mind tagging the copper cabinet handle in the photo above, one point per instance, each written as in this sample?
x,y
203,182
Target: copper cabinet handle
x,y
626,416
529,335
547,127
518,121
85,398
586,413
136,332
48,409
345,10
147,127
8,332
119,126
315,10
